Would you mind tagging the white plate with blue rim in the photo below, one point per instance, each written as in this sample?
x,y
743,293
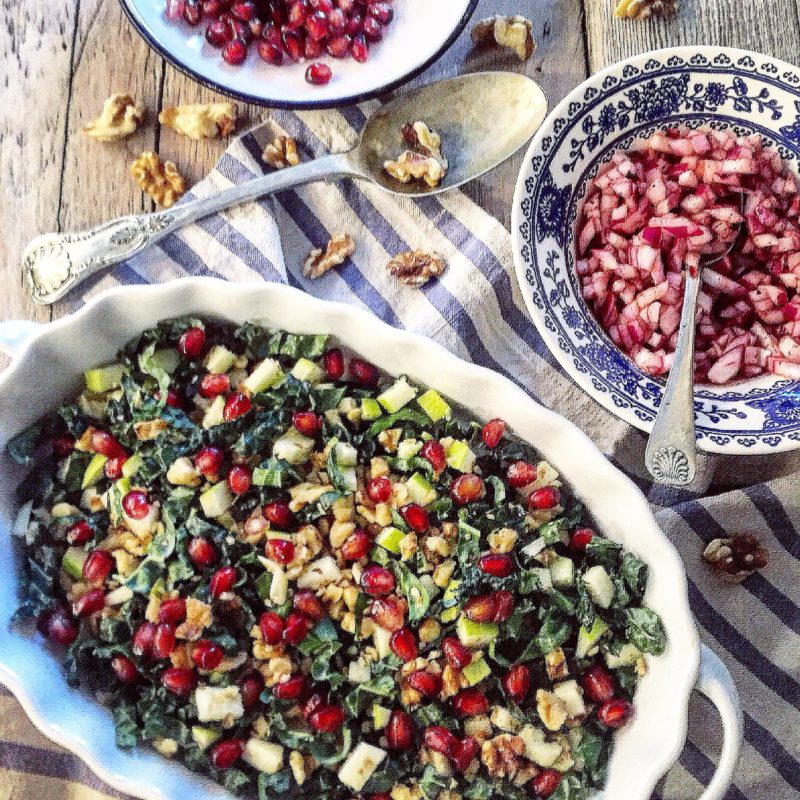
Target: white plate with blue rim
x,y
716,87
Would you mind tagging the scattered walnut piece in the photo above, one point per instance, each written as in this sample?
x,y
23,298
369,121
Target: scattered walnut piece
x,y
161,181
503,756
415,267
423,160
201,120
736,557
119,118
642,9
514,32
339,248
281,152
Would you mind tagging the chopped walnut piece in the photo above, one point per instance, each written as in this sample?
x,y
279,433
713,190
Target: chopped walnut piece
x,y
556,664
736,557
281,152
119,118
198,617
423,160
149,429
201,120
552,709
514,32
642,9
415,267
160,180
503,756
339,248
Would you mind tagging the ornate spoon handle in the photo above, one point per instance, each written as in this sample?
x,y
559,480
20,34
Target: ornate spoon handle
x,y
671,453
54,263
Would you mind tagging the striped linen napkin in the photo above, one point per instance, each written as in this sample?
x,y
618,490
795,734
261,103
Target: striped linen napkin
x,y
475,310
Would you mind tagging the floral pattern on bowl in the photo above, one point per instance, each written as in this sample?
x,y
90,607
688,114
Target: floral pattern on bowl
x,y
707,86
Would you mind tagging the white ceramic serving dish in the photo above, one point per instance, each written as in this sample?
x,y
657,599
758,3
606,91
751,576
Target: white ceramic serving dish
x,y
420,32
47,367
719,87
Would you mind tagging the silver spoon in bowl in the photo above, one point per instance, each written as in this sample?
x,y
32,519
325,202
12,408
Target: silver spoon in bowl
x,y
483,119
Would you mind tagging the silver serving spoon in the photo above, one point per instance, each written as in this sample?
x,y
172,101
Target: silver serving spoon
x,y
483,118
671,452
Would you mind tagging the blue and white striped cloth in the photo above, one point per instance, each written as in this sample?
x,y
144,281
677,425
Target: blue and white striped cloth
x,y
476,311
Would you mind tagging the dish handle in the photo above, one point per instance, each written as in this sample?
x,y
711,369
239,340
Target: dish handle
x,y
715,683
14,333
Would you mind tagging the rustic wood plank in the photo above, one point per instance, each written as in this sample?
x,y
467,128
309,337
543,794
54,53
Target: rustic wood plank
x,y
766,26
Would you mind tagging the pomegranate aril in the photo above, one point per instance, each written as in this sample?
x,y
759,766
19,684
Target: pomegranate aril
x,y
213,8
359,48
426,683
379,490
193,12
217,33
271,626
470,703
333,363
544,498
296,628
327,719
383,12
163,641
355,24
433,452
296,15
250,688
315,701
388,612
467,488
238,29
399,731
598,683
173,610
207,655
105,444
80,532
372,29
269,52
280,550
481,608
416,517
505,605
615,713
224,755
292,689
234,53
580,538
245,10
337,22
192,342
212,385
305,602
62,446
363,372
463,753
497,565
179,680
279,515
174,9
201,552
238,404
209,460
307,422
440,739
222,581
113,467
339,47
142,642
97,566
239,479
546,782
347,6
493,432
317,25
293,45
312,49
377,580
355,546
456,655
517,682
135,504
59,626
403,644
89,603
318,73
521,473
124,669
173,399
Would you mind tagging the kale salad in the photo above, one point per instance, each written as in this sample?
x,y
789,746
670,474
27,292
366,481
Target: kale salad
x,y
301,577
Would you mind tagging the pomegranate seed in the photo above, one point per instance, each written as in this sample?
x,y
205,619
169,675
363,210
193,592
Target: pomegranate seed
x,y
359,48
192,12
312,49
97,566
209,460
213,385
333,363
293,45
222,581
113,467
493,432
271,627
250,688
355,24
80,532
339,47
89,603
225,754
546,782
297,15
317,25
237,405
440,739
234,53
318,73
63,446
59,626
245,10
377,580
105,444
399,731
142,642
517,682
125,669
521,473
237,29
173,610
269,52
202,552
305,602
383,12
213,8
355,546
192,342
598,683
239,478
347,6
455,653
296,628
163,641
173,398
179,680
471,703
372,29
307,422
467,488
416,517
280,550
315,701
463,753
541,499
481,608
337,22
135,504
362,371
207,655
292,689
426,683
379,490
389,613
322,5
615,713
497,565
403,644
433,452
580,538
279,515
216,33
327,719
505,605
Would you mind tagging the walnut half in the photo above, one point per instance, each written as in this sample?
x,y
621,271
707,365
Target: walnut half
x,y
423,160
339,248
201,120
119,118
160,180
736,557
281,152
415,267
642,9
514,32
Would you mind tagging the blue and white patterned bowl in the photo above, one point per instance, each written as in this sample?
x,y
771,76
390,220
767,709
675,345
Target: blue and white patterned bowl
x,y
714,86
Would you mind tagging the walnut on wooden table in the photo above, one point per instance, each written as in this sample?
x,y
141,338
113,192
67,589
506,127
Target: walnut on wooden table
x,y
642,9
281,152
514,32
416,267
160,180
120,118
201,120
736,557
337,251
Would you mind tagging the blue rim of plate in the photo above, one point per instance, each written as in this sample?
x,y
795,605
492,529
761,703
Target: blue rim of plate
x,y
131,14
